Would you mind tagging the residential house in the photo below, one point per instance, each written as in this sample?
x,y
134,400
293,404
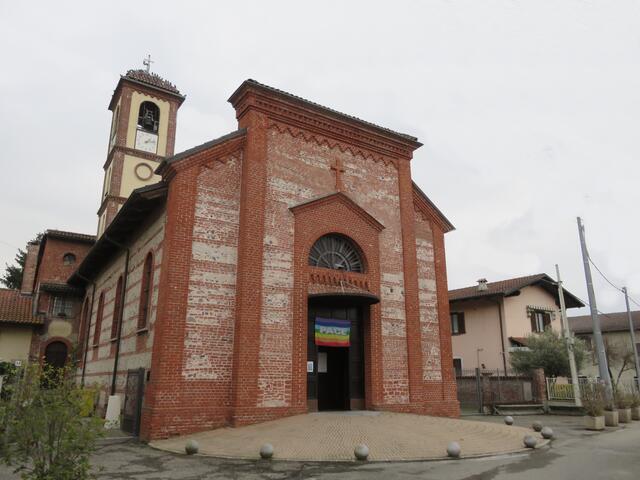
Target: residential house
x,y
491,319
617,338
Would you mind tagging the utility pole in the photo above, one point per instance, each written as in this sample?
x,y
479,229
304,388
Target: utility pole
x,y
633,338
603,368
569,341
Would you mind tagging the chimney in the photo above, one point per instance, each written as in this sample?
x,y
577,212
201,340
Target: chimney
x,y
482,284
29,272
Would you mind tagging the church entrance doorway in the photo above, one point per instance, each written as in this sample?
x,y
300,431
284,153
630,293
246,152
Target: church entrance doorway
x,y
335,355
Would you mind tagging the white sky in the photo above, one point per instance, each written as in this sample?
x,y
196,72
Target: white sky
x,y
529,110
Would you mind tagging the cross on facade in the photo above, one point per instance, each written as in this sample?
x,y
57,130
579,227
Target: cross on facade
x,y
339,169
147,62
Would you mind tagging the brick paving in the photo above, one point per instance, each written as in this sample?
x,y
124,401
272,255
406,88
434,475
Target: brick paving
x,y
332,436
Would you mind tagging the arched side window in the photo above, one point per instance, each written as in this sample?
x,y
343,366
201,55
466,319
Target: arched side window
x,y
145,292
117,310
114,123
69,259
96,332
149,117
336,252
84,328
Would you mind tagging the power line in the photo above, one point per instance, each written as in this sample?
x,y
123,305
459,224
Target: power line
x,y
610,282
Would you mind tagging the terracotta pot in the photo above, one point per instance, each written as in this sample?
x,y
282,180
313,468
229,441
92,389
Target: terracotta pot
x,y
611,418
594,423
624,415
635,413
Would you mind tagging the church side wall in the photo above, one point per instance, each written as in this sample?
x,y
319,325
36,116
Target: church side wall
x,y
427,294
209,326
135,346
299,169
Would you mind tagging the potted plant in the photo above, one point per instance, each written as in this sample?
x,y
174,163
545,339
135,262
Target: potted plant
x,y
593,405
624,408
634,403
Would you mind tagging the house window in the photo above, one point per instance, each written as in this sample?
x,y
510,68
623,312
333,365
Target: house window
x,y
96,332
540,320
117,310
145,294
69,259
62,307
457,323
457,366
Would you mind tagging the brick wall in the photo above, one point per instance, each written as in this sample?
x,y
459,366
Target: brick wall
x,y
29,272
135,346
429,325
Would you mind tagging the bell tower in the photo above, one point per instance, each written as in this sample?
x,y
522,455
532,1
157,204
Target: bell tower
x,y
143,131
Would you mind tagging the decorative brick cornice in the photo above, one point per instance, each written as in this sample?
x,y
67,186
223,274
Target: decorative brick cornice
x,y
110,198
322,140
429,212
220,152
297,112
133,152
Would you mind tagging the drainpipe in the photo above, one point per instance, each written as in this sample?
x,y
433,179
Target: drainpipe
x,y
504,353
86,339
121,312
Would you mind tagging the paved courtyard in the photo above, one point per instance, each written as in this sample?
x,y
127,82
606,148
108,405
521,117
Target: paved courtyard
x,y
575,453
332,436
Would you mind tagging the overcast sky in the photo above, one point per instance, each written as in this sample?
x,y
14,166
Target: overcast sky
x,y
528,110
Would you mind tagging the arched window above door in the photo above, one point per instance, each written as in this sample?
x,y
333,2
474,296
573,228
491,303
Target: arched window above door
x,y
336,252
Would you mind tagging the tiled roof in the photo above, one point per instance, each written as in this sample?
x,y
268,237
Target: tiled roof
x,y
199,148
282,93
16,308
609,322
502,287
80,237
152,79
513,285
61,288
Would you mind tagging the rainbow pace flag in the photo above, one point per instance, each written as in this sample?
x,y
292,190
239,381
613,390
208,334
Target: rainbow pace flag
x,y
332,333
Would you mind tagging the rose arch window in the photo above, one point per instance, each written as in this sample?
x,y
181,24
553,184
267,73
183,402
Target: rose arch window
x,y
337,253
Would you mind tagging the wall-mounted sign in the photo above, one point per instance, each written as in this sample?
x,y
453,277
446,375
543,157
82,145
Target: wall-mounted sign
x,y
309,367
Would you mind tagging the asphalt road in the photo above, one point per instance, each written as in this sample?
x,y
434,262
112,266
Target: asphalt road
x,y
574,454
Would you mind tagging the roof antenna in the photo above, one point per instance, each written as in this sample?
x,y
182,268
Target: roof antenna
x,y
147,62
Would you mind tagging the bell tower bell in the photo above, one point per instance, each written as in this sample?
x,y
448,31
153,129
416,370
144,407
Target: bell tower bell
x,y
143,131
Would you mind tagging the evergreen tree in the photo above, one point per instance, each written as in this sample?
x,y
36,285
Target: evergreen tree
x,y
12,277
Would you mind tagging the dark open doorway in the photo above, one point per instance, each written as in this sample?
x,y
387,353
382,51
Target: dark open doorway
x,y
335,375
55,354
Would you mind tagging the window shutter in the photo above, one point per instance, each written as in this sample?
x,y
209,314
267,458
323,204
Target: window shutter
x,y
546,319
461,326
533,322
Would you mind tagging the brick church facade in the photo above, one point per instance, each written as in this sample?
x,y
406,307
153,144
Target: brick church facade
x,y
213,267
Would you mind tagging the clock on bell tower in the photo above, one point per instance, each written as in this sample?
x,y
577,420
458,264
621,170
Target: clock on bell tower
x,y
143,130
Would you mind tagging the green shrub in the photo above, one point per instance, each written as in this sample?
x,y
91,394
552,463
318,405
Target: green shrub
x,y
46,437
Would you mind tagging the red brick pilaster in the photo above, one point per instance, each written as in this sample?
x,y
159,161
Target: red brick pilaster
x,y
449,389
246,343
412,305
164,392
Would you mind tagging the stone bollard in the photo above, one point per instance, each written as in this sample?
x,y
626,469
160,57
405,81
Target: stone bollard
x,y
454,450
508,420
266,451
537,426
361,452
547,433
530,441
191,447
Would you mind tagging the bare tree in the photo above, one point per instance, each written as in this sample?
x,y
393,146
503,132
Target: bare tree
x,y
619,358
